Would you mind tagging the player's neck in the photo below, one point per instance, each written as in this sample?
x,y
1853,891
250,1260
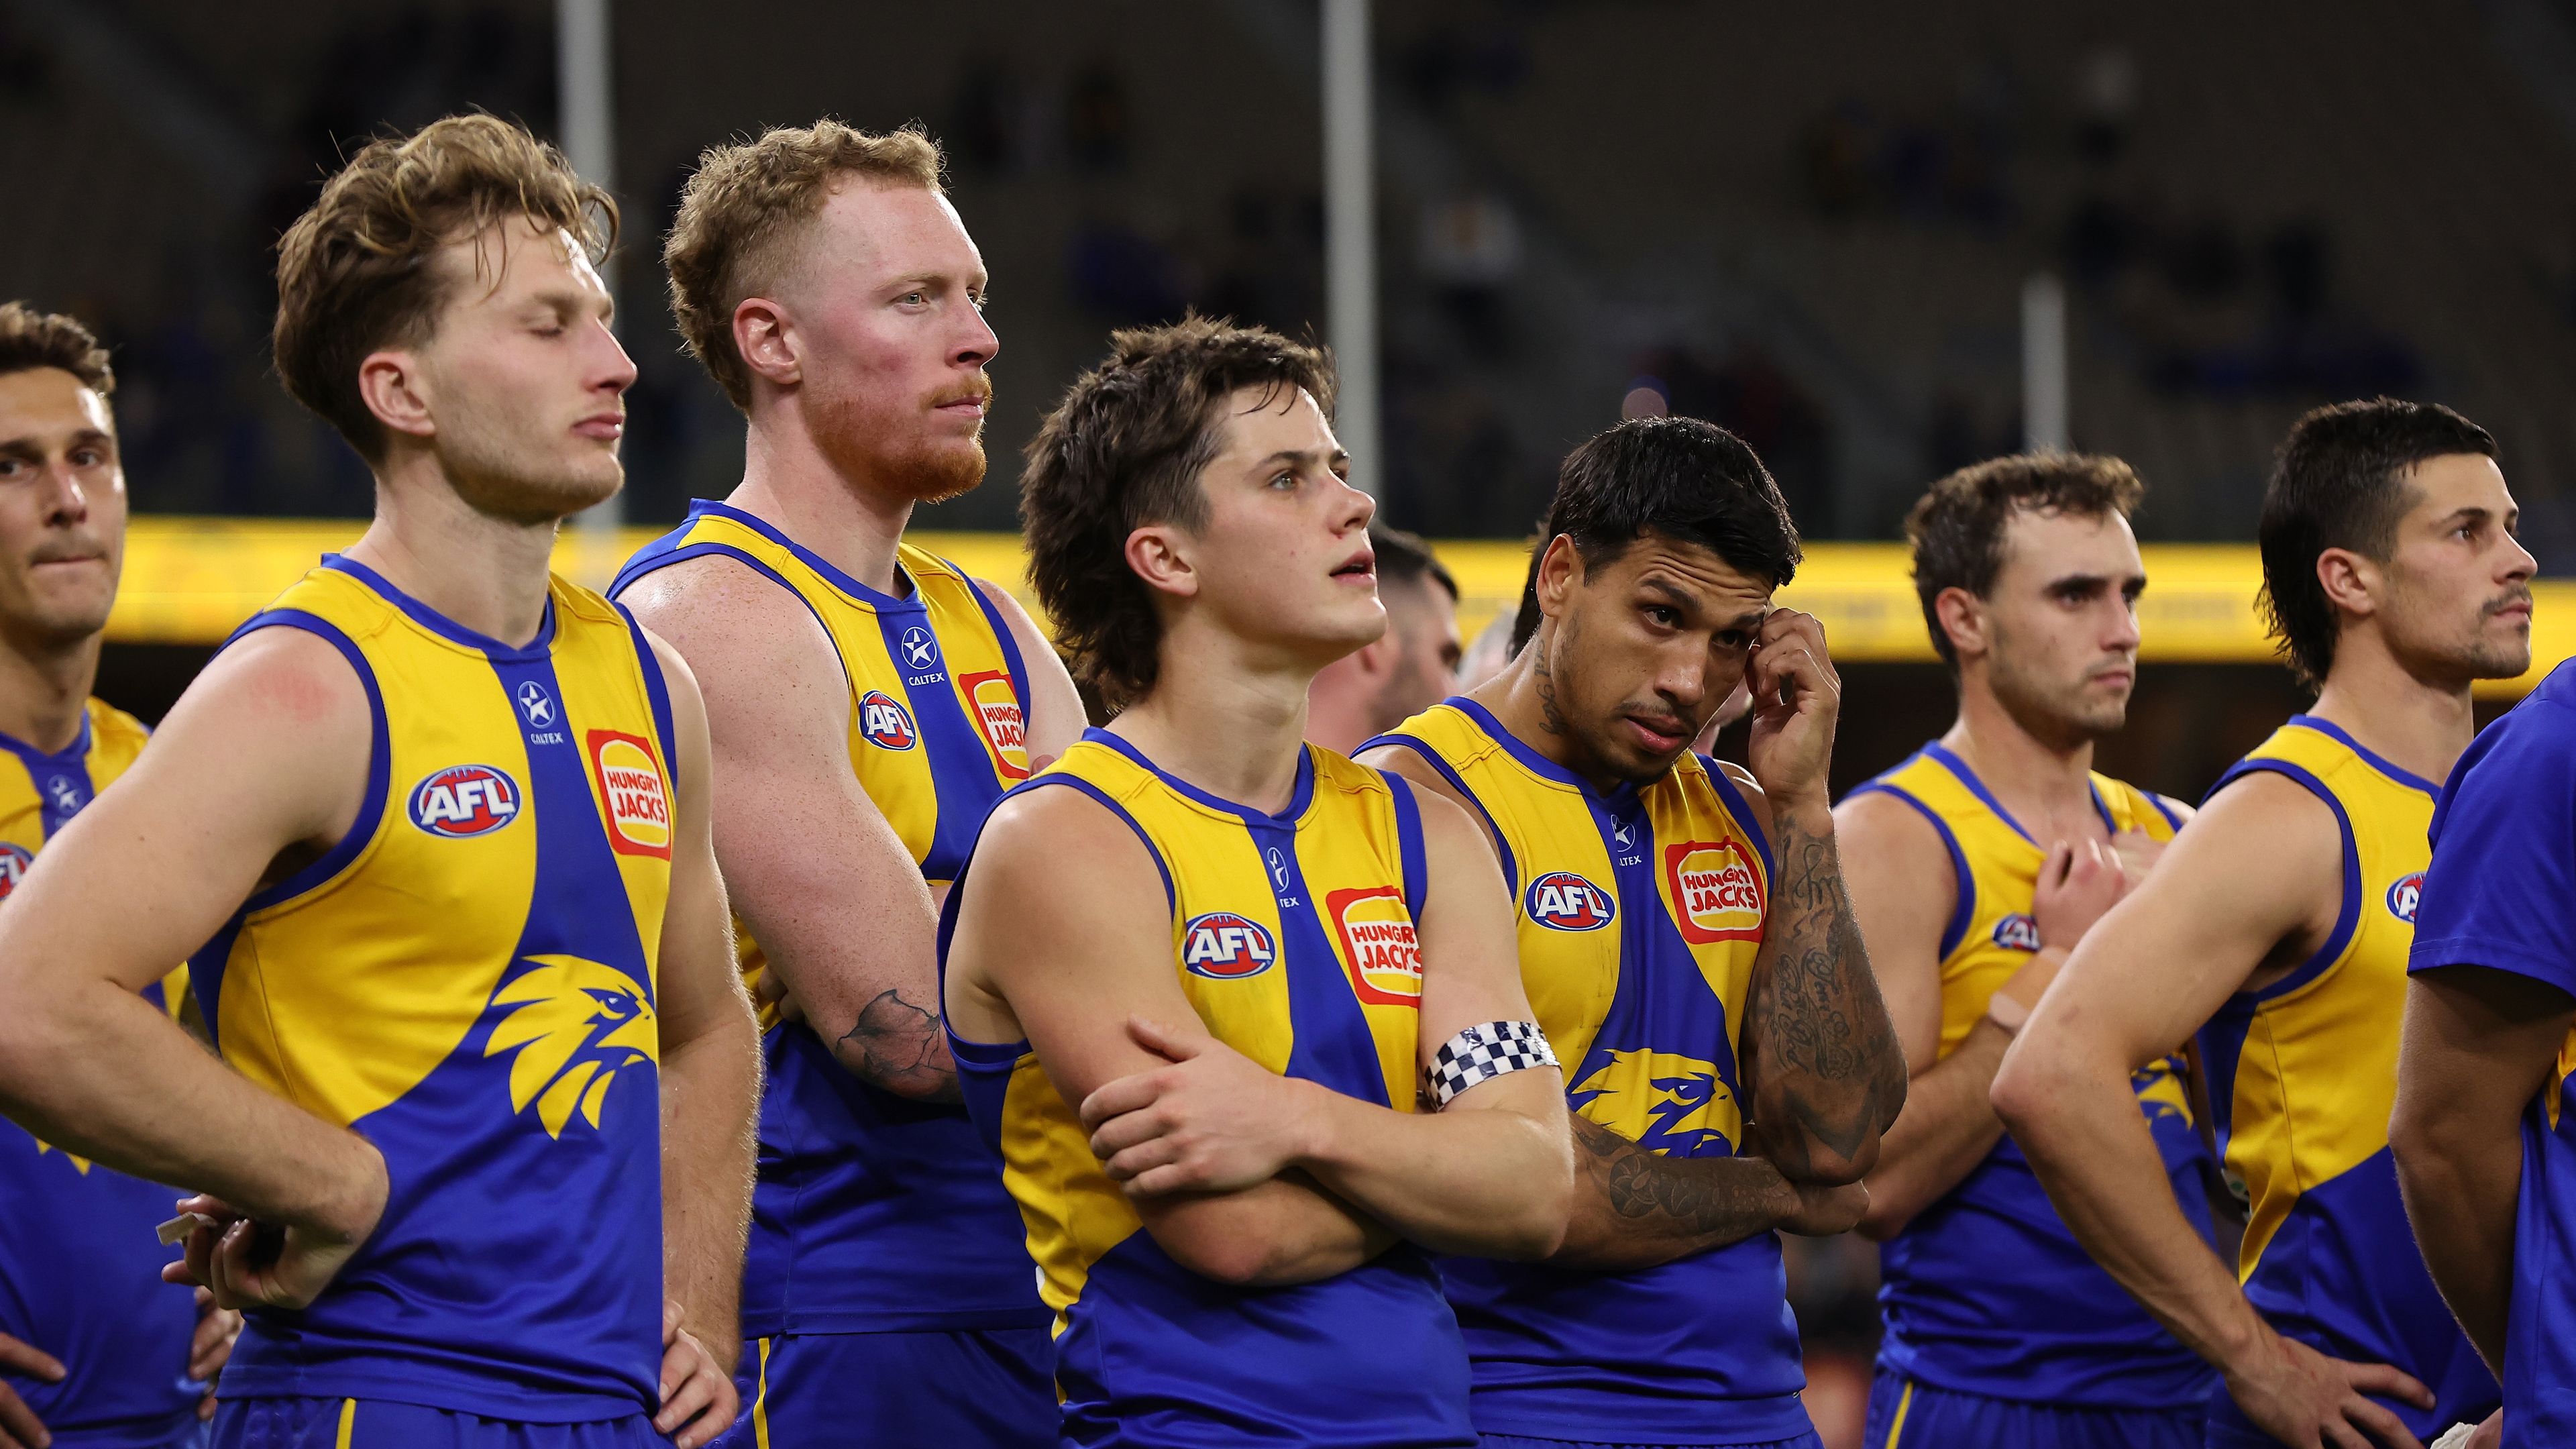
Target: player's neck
x,y
1523,700
487,574
1226,722
2042,782
849,522
44,691
2419,725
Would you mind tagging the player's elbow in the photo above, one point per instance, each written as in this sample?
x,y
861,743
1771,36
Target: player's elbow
x,y
32,1037
2032,1081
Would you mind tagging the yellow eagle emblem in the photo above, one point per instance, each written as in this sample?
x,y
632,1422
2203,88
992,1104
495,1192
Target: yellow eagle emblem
x,y
575,1023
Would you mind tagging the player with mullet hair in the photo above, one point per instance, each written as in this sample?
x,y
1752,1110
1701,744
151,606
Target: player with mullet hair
x,y
1201,971
1976,865
868,703
2277,927
102,1349
1685,938
477,1159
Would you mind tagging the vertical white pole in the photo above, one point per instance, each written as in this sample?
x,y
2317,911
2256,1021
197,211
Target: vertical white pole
x,y
2043,363
590,143
1350,236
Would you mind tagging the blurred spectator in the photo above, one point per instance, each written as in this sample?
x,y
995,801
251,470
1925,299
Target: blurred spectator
x,y
1126,277
2106,104
1446,59
1470,249
1098,132
988,119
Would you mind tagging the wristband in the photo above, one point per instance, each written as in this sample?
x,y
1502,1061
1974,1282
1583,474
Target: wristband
x,y
2007,1012
1481,1053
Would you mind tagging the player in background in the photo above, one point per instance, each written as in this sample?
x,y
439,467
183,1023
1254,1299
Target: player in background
x,y
868,704
1410,668
96,1352
1976,865
1687,942
477,1158
2485,1145
2277,927
1202,969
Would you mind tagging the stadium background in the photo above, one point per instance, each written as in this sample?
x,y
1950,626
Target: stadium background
x,y
1822,226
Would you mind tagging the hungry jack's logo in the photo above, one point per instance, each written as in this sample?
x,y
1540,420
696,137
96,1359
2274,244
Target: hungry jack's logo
x,y
1380,948
995,707
1716,889
631,791
575,1024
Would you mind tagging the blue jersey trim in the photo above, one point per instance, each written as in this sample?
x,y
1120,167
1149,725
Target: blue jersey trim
x,y
71,760
2164,807
1964,911
657,689
648,562
1742,810
1003,636
444,627
2334,732
877,599
2349,916
1537,764
1298,799
380,761
1431,757
1409,844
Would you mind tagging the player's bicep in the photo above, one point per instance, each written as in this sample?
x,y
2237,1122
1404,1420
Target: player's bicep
x,y
697,982
1904,891
1470,939
262,765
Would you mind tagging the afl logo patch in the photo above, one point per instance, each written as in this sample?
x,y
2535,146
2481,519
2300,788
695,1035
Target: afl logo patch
x,y
2403,896
2017,932
886,724
996,708
464,800
1379,946
14,860
1223,946
1717,892
631,793
1563,901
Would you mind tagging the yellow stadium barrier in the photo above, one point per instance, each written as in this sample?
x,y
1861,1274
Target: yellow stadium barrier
x,y
191,580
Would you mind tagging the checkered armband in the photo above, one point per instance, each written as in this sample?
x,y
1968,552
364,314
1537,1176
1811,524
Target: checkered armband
x,y
1481,1053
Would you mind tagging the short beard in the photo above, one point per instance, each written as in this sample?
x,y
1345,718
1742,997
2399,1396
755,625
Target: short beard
x,y
846,434
2045,717
498,486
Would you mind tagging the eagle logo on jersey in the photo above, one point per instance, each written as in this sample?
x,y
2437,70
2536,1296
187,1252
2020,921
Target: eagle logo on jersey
x,y
575,1025
14,860
884,723
79,1163
2160,1091
1563,901
2403,896
464,800
1380,948
995,704
2017,932
1662,1101
631,791
1223,946
1717,892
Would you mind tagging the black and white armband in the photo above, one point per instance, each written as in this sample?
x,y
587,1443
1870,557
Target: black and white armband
x,y
1481,1053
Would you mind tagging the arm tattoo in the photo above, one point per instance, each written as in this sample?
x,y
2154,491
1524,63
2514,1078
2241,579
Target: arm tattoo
x,y
1643,1209
1820,1054
898,1046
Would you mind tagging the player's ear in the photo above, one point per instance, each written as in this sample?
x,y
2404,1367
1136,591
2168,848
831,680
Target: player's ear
x,y
1560,569
767,342
391,384
1963,618
1157,555
2350,581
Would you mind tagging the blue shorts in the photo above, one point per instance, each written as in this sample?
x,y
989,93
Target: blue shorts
x,y
179,1431
1521,1442
1807,1440
383,1424
941,1390
1910,1414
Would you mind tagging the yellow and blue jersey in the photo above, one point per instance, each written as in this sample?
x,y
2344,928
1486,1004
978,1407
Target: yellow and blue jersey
x,y
468,981
80,1269
874,1212
1293,938
1986,1291
2501,894
1641,911
2302,1077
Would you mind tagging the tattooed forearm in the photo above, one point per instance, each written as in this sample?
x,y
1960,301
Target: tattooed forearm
x,y
898,1046
1824,1071
1634,1209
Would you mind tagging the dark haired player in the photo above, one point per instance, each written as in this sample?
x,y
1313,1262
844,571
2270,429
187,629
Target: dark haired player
x,y
1686,940
1410,668
101,1350
2277,927
1976,865
1201,972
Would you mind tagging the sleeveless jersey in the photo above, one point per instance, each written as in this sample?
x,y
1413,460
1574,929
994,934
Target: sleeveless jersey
x,y
1293,938
2501,895
1986,1291
1640,914
468,981
875,1212
2303,1075
80,1270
